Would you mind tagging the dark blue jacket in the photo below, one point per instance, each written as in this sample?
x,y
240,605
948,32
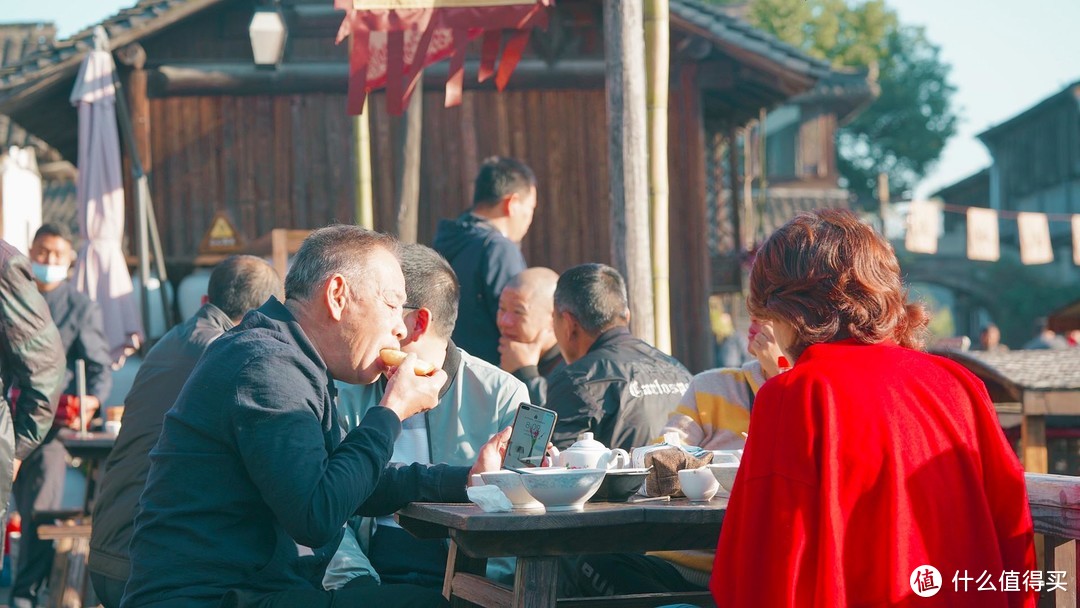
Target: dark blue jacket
x,y
251,462
161,376
484,261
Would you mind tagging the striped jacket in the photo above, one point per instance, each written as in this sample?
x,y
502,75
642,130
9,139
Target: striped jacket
x,y
715,409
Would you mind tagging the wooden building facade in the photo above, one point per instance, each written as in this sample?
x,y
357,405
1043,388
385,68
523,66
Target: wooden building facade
x,y
273,148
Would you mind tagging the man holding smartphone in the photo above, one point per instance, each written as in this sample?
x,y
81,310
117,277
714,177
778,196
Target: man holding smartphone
x,y
253,478
476,401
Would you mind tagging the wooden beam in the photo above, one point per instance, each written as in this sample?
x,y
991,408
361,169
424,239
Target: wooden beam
x,y
407,165
627,167
239,78
1033,444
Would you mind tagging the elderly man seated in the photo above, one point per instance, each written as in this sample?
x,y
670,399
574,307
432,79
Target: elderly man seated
x,y
253,477
527,346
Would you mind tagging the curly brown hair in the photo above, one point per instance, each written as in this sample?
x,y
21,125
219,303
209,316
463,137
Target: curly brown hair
x,y
833,277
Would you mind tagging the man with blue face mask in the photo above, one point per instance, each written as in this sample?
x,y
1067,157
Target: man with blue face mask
x,y
40,484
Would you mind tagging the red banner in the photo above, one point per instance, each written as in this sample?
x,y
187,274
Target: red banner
x,y
393,40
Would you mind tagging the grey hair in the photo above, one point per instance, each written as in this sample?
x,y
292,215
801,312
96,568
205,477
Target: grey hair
x,y
340,249
241,283
596,295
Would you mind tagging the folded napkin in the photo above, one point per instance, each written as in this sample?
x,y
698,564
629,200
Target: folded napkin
x,y
663,479
490,498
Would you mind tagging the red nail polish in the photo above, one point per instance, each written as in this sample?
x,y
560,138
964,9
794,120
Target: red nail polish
x,y
783,363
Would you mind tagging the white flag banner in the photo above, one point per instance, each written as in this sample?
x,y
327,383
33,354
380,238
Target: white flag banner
x,y
1035,245
1076,239
923,224
982,235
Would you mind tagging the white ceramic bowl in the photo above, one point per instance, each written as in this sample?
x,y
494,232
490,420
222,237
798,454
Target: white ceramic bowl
x,y
699,485
727,457
562,489
725,474
510,484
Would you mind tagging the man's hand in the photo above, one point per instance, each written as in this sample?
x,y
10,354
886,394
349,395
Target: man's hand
x,y
491,453
408,394
92,404
18,463
516,355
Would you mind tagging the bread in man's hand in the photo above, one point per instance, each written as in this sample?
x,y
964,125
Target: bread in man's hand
x,y
393,358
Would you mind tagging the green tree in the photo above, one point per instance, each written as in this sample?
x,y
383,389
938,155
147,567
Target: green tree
x,y
904,131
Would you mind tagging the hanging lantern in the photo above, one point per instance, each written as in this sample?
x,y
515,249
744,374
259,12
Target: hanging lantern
x,y
393,40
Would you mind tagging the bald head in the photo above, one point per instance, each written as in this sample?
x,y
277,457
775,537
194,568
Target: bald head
x,y
526,304
241,283
536,283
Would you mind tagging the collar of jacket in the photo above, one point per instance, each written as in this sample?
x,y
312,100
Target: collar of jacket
x,y
611,336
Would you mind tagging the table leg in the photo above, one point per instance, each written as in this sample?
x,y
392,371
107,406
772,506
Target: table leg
x,y
458,562
535,582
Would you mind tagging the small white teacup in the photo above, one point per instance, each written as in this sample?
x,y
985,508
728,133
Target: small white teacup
x,y
699,485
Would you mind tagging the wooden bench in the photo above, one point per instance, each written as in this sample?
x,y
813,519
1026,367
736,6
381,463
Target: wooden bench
x,y
69,580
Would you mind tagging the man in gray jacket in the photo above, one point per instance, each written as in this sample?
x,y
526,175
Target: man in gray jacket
x,y
476,402
237,285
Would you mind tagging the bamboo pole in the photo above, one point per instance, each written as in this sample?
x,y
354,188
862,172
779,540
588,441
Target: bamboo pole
x,y
361,145
624,55
361,151
657,70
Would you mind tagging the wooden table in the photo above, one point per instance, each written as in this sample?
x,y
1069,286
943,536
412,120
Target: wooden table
x,y
92,447
537,540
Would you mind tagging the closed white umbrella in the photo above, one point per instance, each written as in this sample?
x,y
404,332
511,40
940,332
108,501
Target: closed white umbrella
x,y
101,271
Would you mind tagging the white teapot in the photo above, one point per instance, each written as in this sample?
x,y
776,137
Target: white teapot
x,y
588,453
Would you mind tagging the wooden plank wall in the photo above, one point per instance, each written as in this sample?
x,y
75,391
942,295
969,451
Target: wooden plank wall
x,y
270,162
285,161
562,135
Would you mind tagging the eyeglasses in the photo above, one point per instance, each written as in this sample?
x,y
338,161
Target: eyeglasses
x,y
408,307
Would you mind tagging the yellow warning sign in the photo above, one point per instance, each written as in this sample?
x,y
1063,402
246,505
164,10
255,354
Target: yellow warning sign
x,y
222,237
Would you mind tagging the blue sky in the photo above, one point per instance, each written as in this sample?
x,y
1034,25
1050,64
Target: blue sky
x,y
1006,56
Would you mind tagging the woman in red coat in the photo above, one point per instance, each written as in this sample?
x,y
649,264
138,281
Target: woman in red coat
x,y
870,460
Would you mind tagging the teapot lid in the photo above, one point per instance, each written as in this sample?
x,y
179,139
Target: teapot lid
x,y
586,443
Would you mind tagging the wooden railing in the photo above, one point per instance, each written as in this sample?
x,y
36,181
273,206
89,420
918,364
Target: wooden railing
x,y
1055,509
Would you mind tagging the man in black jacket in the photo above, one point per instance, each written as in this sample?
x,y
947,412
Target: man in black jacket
x,y
253,477
31,359
40,486
238,284
483,246
614,385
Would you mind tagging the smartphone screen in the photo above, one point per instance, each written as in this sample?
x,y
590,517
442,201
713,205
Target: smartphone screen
x,y
533,426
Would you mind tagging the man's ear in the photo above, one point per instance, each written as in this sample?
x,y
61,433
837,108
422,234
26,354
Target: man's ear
x,y
507,202
418,326
335,294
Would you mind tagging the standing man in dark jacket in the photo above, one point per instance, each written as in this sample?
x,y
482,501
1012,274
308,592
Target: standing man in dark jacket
x,y
253,477
484,248
237,285
31,359
40,486
614,385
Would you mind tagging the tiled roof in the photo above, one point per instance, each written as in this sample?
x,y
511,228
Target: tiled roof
x,y
18,40
1037,370
723,25
126,26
